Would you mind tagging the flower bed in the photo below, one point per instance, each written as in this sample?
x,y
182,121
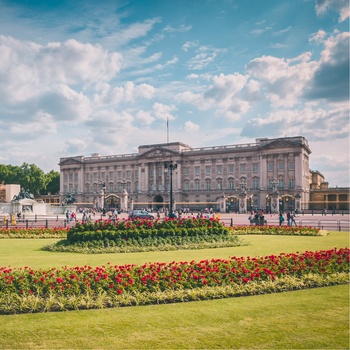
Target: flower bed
x,y
107,286
128,236
56,232
277,230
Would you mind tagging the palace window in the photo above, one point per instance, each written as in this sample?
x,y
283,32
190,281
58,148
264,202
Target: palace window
x,y
110,187
197,170
207,170
186,186
280,183
111,175
280,166
219,169
95,187
220,185
270,167
231,184
291,165
231,169
270,183
87,188
186,171
208,184
120,174
256,184
291,183
255,167
128,174
243,168
197,185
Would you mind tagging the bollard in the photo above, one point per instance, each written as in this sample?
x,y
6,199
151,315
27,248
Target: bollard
x,y
27,223
231,222
57,218
47,224
7,223
35,218
65,223
342,213
312,212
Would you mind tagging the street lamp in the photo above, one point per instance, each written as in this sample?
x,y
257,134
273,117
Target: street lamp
x,y
170,166
103,188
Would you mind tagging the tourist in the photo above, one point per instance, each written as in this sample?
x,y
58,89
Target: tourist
x,y
292,218
281,219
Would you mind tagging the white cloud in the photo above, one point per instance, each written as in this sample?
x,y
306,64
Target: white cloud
x,y
318,37
230,95
189,45
144,117
341,6
282,80
191,127
331,77
205,55
181,29
164,112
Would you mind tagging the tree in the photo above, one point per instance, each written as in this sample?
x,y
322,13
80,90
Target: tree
x,y
52,182
32,178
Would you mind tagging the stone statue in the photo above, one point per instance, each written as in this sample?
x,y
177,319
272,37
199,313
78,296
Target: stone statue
x,y
23,195
70,199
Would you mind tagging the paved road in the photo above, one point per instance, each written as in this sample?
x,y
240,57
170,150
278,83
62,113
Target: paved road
x,y
337,222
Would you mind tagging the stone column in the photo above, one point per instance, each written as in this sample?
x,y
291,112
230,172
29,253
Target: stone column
x,y
222,204
242,199
274,195
124,200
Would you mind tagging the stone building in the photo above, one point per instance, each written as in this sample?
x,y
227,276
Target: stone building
x,y
322,197
239,177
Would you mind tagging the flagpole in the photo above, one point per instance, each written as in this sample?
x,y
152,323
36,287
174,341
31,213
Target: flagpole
x,y
167,130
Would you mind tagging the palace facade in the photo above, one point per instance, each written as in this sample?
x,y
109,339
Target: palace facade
x,y
202,177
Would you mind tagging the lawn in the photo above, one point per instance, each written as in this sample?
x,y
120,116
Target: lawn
x,y
307,319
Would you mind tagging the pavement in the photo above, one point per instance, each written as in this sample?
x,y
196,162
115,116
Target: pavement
x,y
336,222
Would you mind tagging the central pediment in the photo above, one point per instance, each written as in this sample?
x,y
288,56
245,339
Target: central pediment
x,y
70,161
158,152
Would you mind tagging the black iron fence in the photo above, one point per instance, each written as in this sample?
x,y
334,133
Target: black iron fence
x,y
329,225
37,222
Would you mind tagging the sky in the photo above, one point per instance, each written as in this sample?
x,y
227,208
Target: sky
x,y
81,77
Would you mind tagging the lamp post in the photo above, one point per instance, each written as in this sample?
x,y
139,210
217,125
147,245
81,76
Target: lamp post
x,y
170,166
103,188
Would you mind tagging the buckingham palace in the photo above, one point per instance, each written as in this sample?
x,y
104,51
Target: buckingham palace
x,y
239,177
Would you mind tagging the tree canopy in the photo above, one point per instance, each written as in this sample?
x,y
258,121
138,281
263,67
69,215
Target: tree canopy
x,y
31,178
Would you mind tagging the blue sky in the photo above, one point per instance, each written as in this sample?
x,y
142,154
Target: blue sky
x,y
80,77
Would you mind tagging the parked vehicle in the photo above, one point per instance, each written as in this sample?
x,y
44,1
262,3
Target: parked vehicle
x,y
140,214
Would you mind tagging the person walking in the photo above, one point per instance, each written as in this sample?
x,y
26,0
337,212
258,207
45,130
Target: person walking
x,y
292,218
281,219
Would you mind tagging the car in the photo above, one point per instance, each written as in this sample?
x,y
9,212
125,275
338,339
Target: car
x,y
140,214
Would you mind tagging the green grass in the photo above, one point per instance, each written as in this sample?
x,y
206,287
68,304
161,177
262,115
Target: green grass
x,y
307,319
27,252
